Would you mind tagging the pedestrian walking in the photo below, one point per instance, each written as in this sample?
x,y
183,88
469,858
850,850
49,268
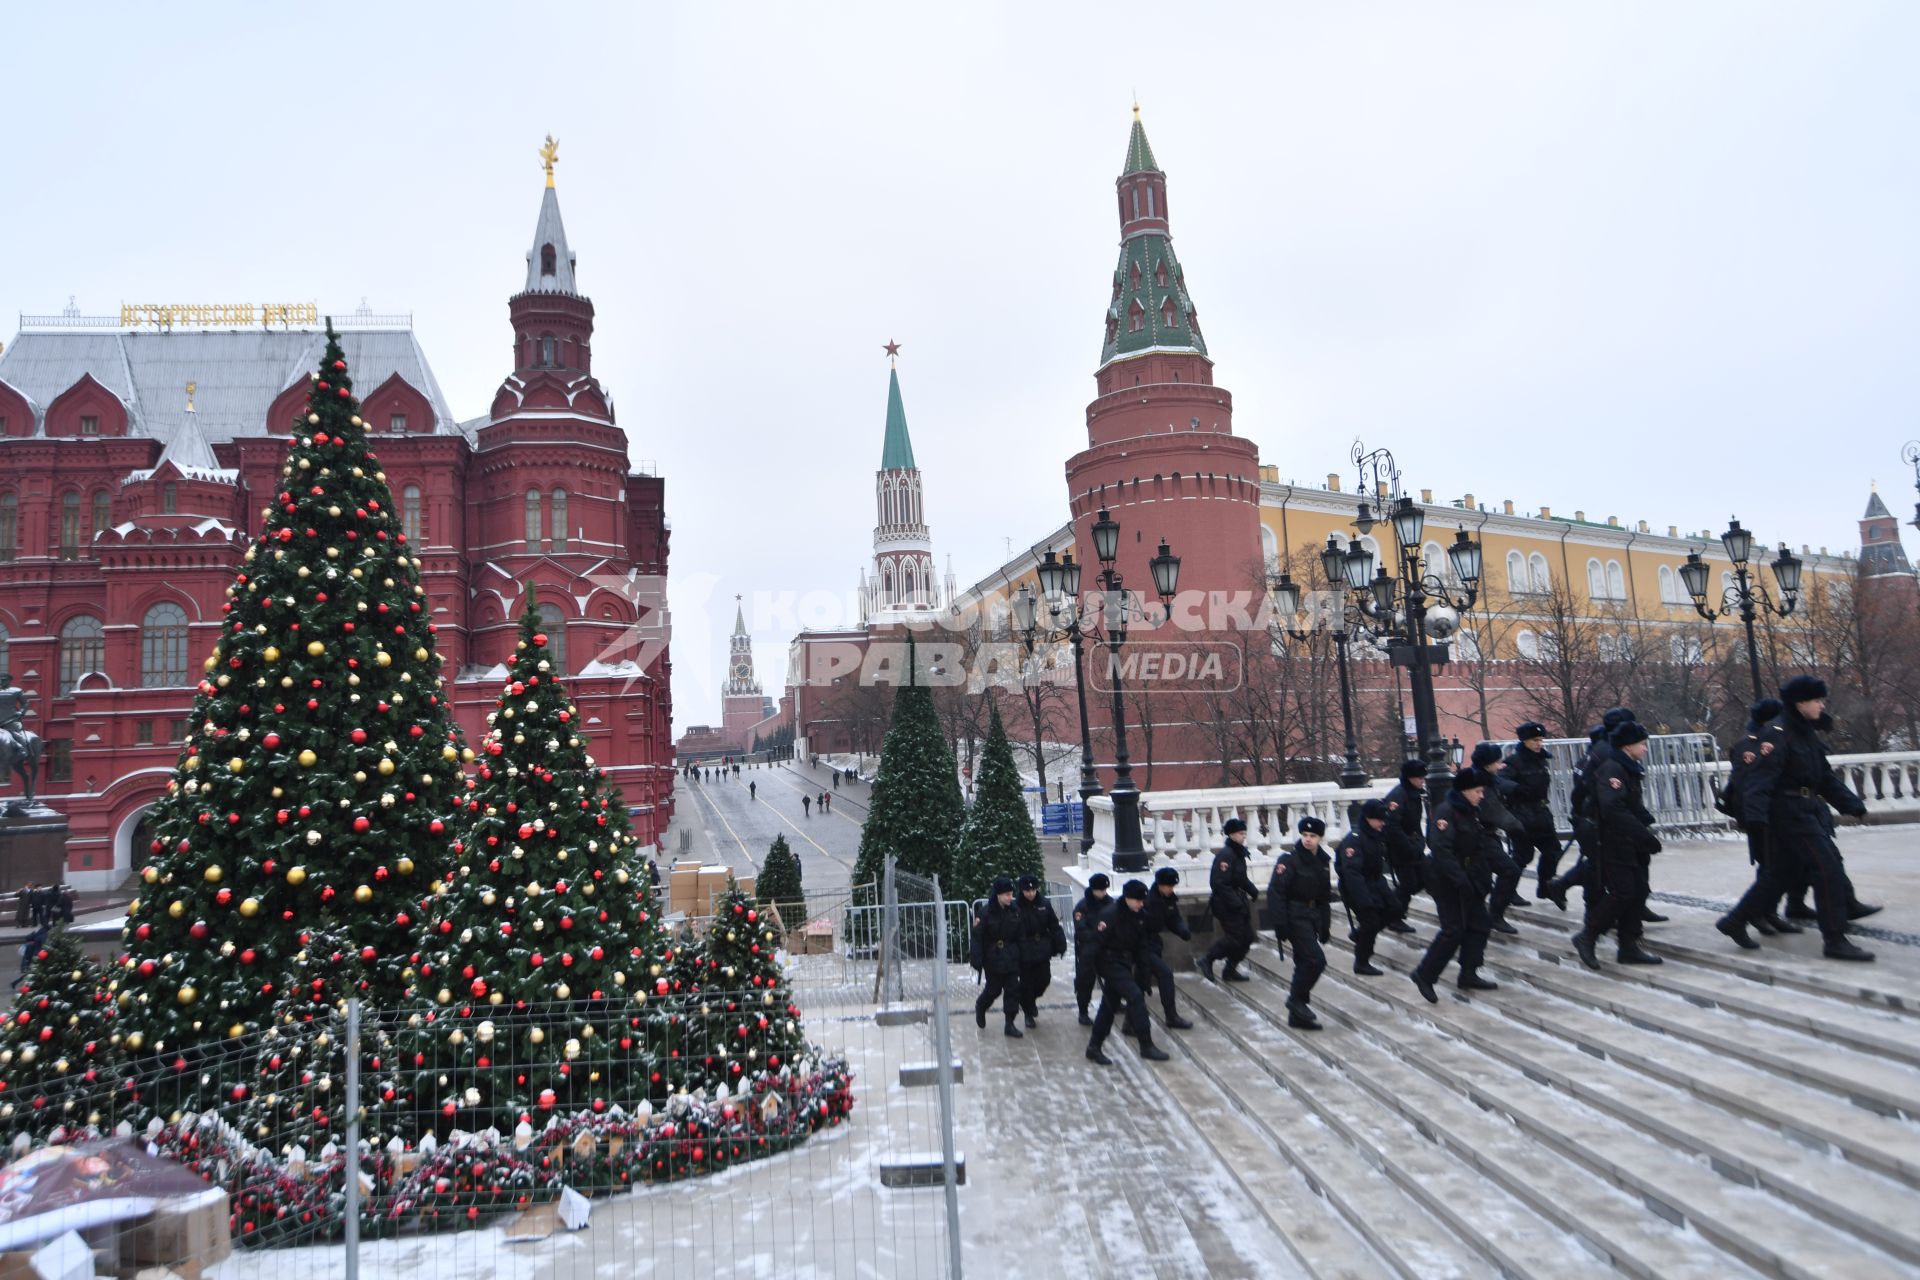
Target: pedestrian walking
x,y
1361,864
995,952
1789,794
23,908
836,779
1120,928
826,802
753,790
1617,897
1505,826
1086,939
1459,875
1041,939
653,871
1743,755
1530,771
806,806
1300,910
1406,839
1163,916
1231,904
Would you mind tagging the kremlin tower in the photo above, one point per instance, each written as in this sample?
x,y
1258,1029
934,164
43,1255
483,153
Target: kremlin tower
x,y
902,584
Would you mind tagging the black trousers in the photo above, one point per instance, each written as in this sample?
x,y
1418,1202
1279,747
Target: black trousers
x,y
1412,878
1370,920
1084,976
1118,988
1154,971
1035,978
1235,940
1801,860
1464,926
1506,882
1539,838
999,984
1580,875
1309,961
1620,901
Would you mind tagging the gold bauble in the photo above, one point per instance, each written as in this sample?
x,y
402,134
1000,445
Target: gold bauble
x,y
150,875
213,874
186,994
135,1040
315,648
236,765
296,875
383,659
363,894
272,654
537,1036
176,908
404,866
193,762
235,1031
250,907
386,766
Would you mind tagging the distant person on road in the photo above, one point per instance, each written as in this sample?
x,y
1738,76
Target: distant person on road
x,y
826,802
806,806
23,910
753,790
836,779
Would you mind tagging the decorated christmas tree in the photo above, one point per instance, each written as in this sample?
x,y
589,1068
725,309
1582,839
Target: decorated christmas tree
x,y
779,884
998,838
319,764
539,955
57,1061
741,1022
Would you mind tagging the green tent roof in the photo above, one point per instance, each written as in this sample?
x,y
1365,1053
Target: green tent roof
x,y
897,453
1139,153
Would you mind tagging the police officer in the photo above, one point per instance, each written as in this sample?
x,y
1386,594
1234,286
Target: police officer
x,y
1120,928
1530,770
1162,914
1459,875
1231,904
1086,914
1623,826
1300,909
1361,864
1585,834
1406,843
1041,939
1789,794
1505,826
996,952
1742,757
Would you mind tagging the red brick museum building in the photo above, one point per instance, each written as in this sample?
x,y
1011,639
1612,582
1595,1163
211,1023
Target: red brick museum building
x,y
135,453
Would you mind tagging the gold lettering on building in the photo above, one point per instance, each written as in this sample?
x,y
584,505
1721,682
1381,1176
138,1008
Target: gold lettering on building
x,y
217,315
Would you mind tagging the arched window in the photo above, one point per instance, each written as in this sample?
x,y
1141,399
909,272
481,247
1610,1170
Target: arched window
x,y
1434,561
102,512
886,585
1616,580
548,261
546,351
1160,271
1527,646
70,526
410,513
533,519
1167,314
1596,581
1136,317
559,519
83,648
1516,574
1270,549
1668,588
1150,212
163,647
909,584
1608,648
9,526
1726,581
1136,213
554,623
169,498
1538,575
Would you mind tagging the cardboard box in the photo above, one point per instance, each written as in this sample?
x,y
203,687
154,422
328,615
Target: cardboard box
x,y
816,939
713,883
683,889
65,1257
189,1232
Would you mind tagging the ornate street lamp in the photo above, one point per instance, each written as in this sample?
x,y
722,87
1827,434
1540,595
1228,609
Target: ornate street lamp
x,y
1060,593
1747,596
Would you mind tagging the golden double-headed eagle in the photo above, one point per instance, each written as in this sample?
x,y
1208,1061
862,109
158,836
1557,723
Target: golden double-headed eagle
x,y
549,156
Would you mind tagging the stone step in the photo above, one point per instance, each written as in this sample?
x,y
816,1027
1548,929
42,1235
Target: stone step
x,y
1852,1198
1512,1181
1810,1116
1430,1215
1294,1177
1754,1228
1774,964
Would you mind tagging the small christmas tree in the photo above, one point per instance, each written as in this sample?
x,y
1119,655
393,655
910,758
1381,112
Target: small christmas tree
x,y
57,1060
998,838
779,884
319,764
744,1025
538,954
916,811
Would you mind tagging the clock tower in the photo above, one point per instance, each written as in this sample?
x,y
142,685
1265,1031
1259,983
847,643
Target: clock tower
x,y
742,704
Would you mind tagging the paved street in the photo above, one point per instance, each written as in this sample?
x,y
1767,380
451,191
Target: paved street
x,y
732,824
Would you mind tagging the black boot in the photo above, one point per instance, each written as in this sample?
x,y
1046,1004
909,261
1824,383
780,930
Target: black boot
x,y
1094,1055
1844,949
1737,930
1234,975
1558,897
980,1016
1472,981
1152,1053
1399,926
1501,926
1126,1030
1015,1032
1427,992
1032,1021
1178,1023
1861,910
1634,953
1798,910
1299,1015
1765,926
1085,1020
1366,969
1649,916
1583,945
1206,968
1783,925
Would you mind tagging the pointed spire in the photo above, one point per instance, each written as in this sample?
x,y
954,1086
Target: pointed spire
x,y
1139,153
739,618
897,453
1876,509
550,262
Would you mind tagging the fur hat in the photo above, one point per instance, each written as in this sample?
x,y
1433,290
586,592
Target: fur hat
x,y
1625,735
1311,826
1597,734
1166,875
1412,769
1135,889
1374,809
1761,712
1470,778
1617,716
1232,825
1002,885
1531,729
1485,753
1099,880
1802,689
1027,882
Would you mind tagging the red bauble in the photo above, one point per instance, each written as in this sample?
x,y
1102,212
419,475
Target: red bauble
x,y
271,741
358,736
362,825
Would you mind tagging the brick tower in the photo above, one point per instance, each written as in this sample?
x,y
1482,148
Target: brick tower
x,y
1162,459
903,583
742,703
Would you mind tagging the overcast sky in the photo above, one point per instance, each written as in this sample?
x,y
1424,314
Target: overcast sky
x,y
1659,261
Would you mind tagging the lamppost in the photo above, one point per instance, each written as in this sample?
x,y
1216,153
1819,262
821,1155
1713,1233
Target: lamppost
x,y
1428,604
1129,854
1910,454
1747,596
1060,589
1286,602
